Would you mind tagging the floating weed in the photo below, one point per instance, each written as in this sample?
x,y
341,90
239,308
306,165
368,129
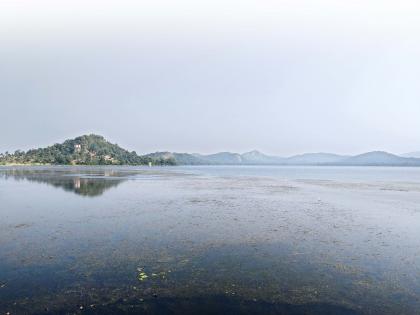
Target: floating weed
x,y
142,276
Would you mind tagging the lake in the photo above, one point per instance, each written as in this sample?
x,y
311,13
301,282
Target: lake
x,y
210,240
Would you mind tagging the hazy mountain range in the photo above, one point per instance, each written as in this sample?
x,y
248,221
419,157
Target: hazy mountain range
x,y
375,158
95,150
411,154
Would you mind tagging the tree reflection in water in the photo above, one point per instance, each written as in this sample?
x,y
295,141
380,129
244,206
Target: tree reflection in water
x,y
84,182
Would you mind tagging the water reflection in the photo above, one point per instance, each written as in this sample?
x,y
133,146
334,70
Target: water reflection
x,y
86,182
176,243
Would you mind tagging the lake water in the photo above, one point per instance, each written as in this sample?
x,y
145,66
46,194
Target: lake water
x,y
210,240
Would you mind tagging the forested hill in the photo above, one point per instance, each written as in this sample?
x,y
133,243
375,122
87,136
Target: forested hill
x,y
84,150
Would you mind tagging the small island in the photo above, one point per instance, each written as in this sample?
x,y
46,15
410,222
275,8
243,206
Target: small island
x,y
84,150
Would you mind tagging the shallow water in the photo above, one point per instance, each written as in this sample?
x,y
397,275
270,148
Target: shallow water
x,y
209,240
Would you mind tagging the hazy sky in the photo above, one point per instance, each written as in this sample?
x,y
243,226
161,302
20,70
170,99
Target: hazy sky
x,y
283,77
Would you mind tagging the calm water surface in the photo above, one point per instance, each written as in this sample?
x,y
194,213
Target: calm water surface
x,y
209,240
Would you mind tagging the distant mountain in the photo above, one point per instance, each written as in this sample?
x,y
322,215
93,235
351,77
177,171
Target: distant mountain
x,y
412,155
177,158
221,158
198,159
95,150
256,157
84,150
315,159
226,158
380,158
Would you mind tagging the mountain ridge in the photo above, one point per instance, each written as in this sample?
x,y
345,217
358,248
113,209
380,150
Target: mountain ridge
x,y
379,158
315,158
96,150
415,154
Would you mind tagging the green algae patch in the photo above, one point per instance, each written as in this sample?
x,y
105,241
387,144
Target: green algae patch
x,y
142,276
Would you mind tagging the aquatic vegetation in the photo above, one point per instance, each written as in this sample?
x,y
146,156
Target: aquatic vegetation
x,y
142,276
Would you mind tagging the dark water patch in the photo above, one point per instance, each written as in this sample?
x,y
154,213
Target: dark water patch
x,y
208,305
22,225
261,279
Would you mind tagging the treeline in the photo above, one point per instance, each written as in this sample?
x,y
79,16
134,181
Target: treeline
x,y
84,150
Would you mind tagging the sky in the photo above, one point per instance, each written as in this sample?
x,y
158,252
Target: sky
x,y
282,77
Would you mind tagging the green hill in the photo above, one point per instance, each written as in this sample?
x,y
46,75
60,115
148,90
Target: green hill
x,y
84,150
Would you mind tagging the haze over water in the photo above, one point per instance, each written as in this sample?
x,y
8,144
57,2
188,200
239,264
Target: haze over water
x,y
283,77
183,240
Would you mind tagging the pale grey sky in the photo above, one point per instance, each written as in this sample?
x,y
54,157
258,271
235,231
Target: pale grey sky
x,y
283,77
